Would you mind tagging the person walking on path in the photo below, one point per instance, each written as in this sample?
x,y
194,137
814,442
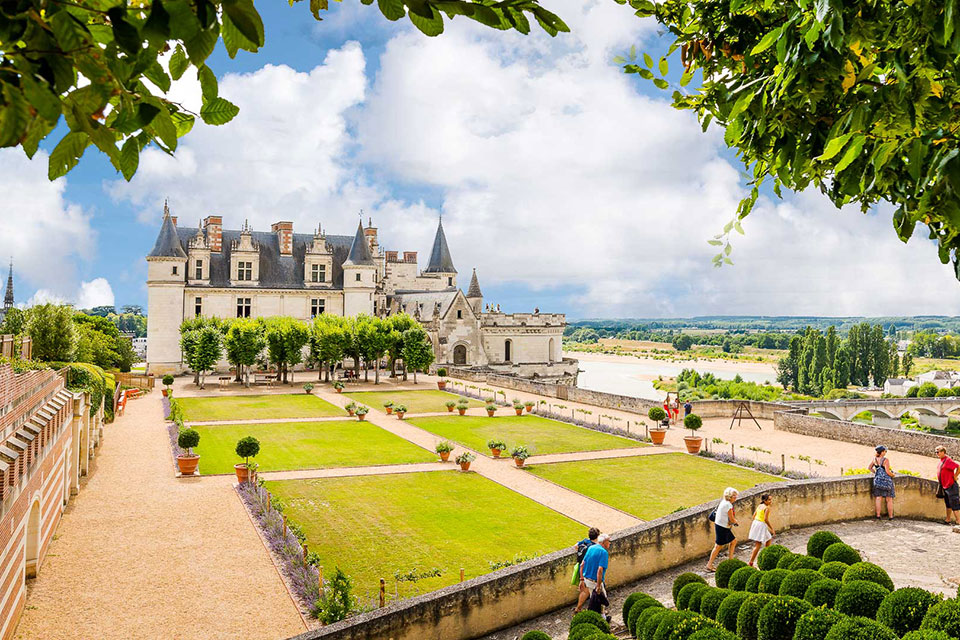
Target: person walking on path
x,y
582,547
595,564
675,408
948,476
687,408
723,519
761,531
883,477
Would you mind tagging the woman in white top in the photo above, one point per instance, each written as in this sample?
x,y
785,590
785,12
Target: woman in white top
x,y
723,519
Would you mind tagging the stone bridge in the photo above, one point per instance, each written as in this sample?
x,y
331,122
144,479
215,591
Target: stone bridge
x,y
928,411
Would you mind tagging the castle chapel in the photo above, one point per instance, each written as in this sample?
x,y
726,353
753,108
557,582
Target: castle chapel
x,y
211,271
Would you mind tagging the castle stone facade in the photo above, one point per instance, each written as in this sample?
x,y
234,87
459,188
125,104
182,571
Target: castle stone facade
x,y
211,271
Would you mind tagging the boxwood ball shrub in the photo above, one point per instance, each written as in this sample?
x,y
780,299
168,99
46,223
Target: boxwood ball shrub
x,y
749,612
646,614
670,622
903,610
870,572
713,633
753,582
770,580
590,617
602,636
926,634
944,616
823,593
639,606
769,556
814,624
684,579
834,569
535,635
860,629
729,608
683,598
650,626
818,543
778,618
583,632
689,626
738,581
806,562
786,560
840,552
711,600
633,599
797,583
860,598
694,604
725,569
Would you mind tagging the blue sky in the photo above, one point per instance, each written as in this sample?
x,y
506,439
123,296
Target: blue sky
x,y
567,184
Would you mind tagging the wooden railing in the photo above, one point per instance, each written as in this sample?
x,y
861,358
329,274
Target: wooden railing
x,y
12,346
138,380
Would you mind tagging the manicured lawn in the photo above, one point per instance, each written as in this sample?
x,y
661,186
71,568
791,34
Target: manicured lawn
x,y
653,486
538,434
373,526
289,405
306,445
426,401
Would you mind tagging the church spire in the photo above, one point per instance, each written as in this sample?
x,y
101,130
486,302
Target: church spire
x,y
8,297
440,259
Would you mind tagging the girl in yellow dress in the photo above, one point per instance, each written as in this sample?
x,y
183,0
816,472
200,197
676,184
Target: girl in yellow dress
x,y
761,531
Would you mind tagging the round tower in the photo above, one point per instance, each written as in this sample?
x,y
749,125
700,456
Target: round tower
x,y
166,279
359,277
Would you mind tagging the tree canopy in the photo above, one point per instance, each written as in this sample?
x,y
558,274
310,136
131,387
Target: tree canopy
x,y
98,65
858,99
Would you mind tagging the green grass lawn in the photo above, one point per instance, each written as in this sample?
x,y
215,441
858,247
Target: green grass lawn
x,y
289,405
373,526
426,401
653,486
538,434
306,445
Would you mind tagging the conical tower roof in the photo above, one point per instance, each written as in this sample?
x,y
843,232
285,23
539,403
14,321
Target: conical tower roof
x,y
167,244
474,290
359,250
440,260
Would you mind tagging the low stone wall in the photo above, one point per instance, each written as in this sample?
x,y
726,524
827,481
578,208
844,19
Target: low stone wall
x,y
904,440
726,408
510,596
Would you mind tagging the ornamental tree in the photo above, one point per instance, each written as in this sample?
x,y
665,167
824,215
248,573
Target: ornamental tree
x,y
285,339
206,351
417,351
858,100
243,343
52,332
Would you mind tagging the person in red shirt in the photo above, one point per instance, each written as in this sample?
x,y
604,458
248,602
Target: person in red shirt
x,y
948,475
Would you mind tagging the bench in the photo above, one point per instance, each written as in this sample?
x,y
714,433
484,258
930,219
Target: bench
x,y
264,378
224,382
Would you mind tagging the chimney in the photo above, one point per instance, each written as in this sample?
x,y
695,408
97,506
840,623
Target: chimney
x,y
410,256
392,256
174,219
284,231
213,227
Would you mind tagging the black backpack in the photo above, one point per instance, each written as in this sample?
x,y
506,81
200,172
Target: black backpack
x,y
582,547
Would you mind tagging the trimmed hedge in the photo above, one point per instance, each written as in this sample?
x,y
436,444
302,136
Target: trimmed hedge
x,y
819,542
840,552
637,610
729,608
670,621
823,593
816,623
945,617
683,598
689,626
769,556
748,614
637,628
860,598
738,581
903,610
650,626
726,569
711,600
590,617
712,633
926,634
860,629
634,605
797,583
870,572
778,618
786,560
770,581
583,631
683,580
535,635
753,582
806,562
834,570
694,604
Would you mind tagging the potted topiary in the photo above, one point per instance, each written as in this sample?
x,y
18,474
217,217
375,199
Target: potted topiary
x,y
658,432
338,386
462,406
519,454
450,404
693,441
441,383
464,460
388,405
167,382
518,407
496,446
351,408
529,404
362,413
400,409
308,387
247,447
187,462
491,409
444,447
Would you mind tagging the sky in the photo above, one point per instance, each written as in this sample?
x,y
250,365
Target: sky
x,y
567,184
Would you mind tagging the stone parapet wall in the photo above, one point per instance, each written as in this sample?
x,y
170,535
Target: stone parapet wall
x,y
510,596
726,408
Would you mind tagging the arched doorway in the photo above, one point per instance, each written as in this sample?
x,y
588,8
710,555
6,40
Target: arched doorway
x,y
507,348
33,539
550,348
460,355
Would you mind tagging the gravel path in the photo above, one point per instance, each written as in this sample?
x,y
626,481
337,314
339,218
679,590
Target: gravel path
x,y
140,554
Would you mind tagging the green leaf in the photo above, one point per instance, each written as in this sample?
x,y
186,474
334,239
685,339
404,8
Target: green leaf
x,y
208,83
164,129
648,75
853,151
183,122
619,60
432,26
904,224
766,42
715,243
67,154
124,33
129,158
246,18
741,105
70,32
647,60
41,97
200,46
219,111
233,40
157,27
834,146
155,74
686,78
661,83
178,63
316,6
392,9
663,66
14,117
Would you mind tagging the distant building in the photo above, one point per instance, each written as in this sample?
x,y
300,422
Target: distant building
x,y
139,347
943,379
898,386
8,295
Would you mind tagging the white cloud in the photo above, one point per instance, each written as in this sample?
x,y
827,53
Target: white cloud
x,y
43,296
95,293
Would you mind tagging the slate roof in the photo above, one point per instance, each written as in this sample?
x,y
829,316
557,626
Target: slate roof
x,y
360,250
440,260
167,244
474,290
410,299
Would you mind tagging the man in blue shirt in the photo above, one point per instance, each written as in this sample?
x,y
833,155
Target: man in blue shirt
x,y
582,547
594,567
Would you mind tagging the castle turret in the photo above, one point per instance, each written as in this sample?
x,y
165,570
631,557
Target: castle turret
x,y
166,279
441,263
474,295
359,277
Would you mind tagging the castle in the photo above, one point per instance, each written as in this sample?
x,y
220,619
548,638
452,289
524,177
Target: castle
x,y
211,271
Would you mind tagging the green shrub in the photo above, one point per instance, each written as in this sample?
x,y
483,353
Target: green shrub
x,y
769,556
926,634
590,617
167,380
712,633
629,602
814,624
656,414
927,390
695,597
860,598
944,616
778,618
637,606
583,632
602,636
651,624
753,582
770,581
641,621
729,608
711,600
684,579
797,583
738,581
806,562
247,447
786,560
748,614
912,392
870,572
860,629
819,542
903,610
823,593
834,570
535,635
725,569
683,598
689,626
187,439
840,552
670,621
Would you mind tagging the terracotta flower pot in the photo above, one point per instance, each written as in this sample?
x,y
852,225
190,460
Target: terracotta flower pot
x,y
450,409
529,409
495,452
693,443
389,410
519,462
350,412
441,384
461,411
519,412
444,456
243,474
164,392
490,413
400,415
657,435
339,390
464,466
362,416
188,464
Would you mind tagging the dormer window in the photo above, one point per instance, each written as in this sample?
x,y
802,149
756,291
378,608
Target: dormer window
x,y
244,270
318,273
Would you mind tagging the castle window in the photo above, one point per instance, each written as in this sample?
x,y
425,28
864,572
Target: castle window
x,y
317,306
174,270
243,307
459,314
450,282
244,270
318,273
358,277
198,306
199,270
